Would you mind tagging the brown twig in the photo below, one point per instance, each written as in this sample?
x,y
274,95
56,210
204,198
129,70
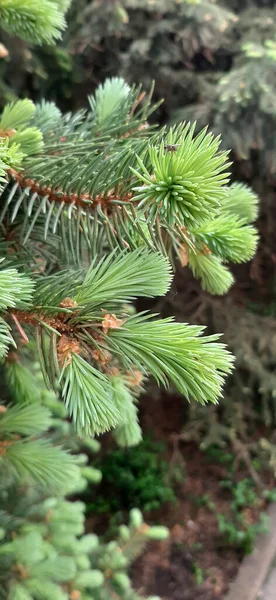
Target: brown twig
x,y
34,317
57,195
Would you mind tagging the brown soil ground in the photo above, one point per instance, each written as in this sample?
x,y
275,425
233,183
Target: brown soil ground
x,y
168,569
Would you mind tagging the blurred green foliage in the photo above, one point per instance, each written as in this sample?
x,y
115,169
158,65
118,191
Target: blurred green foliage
x,y
132,477
213,61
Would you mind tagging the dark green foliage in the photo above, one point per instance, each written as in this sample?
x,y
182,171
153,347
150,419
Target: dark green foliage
x,y
198,573
133,477
237,532
214,62
243,493
239,529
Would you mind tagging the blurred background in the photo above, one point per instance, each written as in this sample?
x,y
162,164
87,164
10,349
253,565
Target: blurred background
x,y
206,472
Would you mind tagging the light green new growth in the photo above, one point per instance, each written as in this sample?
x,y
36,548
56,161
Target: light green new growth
x,y
241,202
128,432
183,185
88,397
34,21
174,352
229,237
15,289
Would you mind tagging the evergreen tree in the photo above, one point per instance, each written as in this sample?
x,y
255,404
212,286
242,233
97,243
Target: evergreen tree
x,y
97,207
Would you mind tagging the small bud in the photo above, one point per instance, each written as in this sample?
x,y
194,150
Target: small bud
x,y
68,303
183,255
136,518
124,533
50,503
82,562
157,533
91,474
122,13
112,546
110,321
81,459
88,543
65,347
92,445
135,377
75,595
122,580
3,51
90,579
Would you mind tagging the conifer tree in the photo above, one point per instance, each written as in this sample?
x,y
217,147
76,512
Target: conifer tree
x,y
96,209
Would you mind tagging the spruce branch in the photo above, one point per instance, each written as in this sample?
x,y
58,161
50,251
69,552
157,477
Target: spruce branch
x,y
128,432
228,237
37,461
89,196
185,181
83,345
14,128
134,274
174,352
242,202
214,276
22,387
15,289
33,21
46,117
88,397
27,420
10,156
112,101
109,193
45,590
58,569
15,115
6,339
